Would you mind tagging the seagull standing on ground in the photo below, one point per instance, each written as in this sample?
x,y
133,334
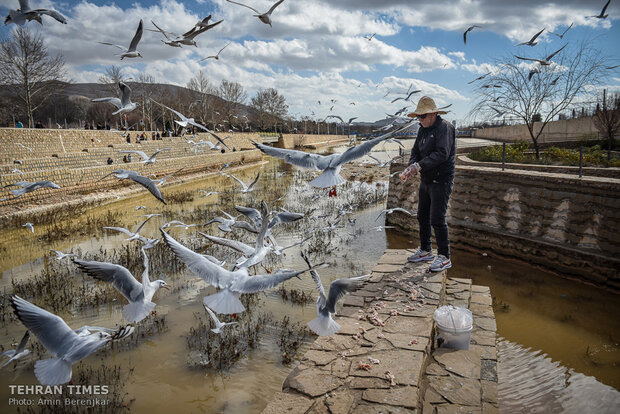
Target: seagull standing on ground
x,y
131,51
323,324
24,13
265,17
123,104
64,344
138,294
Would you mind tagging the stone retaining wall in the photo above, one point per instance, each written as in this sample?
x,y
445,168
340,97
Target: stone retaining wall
x,y
558,221
565,130
290,141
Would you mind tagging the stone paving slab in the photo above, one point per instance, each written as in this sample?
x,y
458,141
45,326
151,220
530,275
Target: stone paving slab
x,y
384,358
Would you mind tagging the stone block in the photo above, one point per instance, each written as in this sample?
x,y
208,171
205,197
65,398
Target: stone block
x,y
460,362
285,403
404,396
461,391
312,382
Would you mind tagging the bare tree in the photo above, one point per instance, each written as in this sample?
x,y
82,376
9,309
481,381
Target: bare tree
x,y
233,95
522,90
202,107
29,72
146,90
270,107
112,76
607,119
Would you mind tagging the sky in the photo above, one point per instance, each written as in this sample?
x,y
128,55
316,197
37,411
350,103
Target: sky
x,y
317,53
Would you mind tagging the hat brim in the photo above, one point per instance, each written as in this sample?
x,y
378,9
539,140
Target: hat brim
x,y
414,114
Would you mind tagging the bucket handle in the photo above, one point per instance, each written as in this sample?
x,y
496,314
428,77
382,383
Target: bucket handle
x,y
452,318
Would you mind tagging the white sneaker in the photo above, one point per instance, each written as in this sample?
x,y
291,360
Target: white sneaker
x,y
440,263
421,256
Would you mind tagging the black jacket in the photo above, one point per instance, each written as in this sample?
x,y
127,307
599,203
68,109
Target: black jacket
x,y
434,151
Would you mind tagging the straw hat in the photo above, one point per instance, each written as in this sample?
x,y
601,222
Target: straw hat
x,y
426,105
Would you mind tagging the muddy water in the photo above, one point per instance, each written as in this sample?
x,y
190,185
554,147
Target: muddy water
x,y
159,377
556,331
572,323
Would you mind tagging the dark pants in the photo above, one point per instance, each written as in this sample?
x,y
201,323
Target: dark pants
x,y
432,205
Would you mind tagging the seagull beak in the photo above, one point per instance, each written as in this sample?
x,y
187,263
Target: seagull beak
x,y
167,287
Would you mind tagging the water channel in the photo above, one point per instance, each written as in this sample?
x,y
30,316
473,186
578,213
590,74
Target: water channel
x,y
573,324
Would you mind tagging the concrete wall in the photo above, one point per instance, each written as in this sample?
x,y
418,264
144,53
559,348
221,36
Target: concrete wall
x,y
558,221
290,141
76,159
565,130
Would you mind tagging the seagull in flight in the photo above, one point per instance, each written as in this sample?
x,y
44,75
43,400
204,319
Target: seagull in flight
x,y
60,255
329,164
469,29
218,325
369,38
324,324
185,121
216,56
232,283
532,41
561,36
28,186
161,181
264,17
602,15
140,179
408,96
186,38
123,104
479,78
145,158
138,294
547,60
19,352
225,223
136,234
62,342
245,188
391,210
25,13
131,51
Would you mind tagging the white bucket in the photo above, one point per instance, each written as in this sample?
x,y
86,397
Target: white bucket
x,y
454,326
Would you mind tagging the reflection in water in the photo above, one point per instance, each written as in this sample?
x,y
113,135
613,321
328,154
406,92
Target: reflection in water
x,y
530,382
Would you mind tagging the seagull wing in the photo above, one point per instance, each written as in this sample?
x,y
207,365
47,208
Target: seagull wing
x,y
161,30
254,182
52,13
125,93
536,36
140,153
251,8
210,312
360,150
149,185
23,342
605,8
251,213
143,223
322,300
245,187
201,266
555,53
136,38
114,101
233,244
251,284
522,58
152,157
276,5
53,333
122,230
298,158
115,274
180,115
112,44
285,217
341,287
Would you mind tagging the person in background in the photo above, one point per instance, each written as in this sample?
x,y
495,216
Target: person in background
x,y
433,157
19,124
110,161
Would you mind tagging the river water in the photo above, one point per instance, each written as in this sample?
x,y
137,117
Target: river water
x,y
572,323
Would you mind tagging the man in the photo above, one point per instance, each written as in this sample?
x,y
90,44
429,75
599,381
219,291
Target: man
x,y
433,157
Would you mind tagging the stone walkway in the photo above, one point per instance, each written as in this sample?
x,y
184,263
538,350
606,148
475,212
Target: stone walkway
x,y
383,359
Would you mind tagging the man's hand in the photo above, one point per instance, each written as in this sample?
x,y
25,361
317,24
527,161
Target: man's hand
x,y
409,172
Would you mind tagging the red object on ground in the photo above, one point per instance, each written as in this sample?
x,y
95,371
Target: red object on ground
x,y
332,192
